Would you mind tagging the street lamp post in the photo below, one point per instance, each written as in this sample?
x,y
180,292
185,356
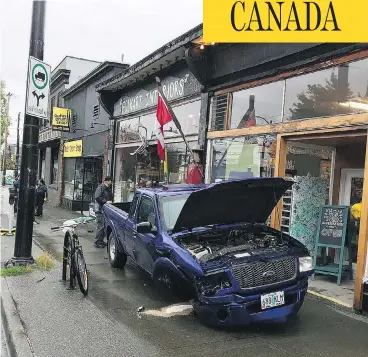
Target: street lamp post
x,y
29,159
6,133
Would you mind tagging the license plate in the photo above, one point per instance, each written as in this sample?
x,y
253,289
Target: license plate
x,y
273,299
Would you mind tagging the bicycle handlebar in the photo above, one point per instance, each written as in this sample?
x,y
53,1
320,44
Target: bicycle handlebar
x,y
56,228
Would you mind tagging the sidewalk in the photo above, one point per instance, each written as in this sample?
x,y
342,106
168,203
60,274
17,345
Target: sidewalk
x,y
41,318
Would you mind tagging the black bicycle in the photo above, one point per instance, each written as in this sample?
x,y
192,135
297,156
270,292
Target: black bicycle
x,y
73,258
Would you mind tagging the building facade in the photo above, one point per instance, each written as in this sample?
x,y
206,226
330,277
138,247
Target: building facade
x,y
65,75
84,154
132,99
298,110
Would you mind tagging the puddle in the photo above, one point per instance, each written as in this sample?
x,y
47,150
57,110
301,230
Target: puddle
x,y
183,309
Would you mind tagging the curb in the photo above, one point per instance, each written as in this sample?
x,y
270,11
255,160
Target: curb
x,y
331,301
15,334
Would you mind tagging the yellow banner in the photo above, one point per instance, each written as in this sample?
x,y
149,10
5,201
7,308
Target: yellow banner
x,y
73,148
61,118
285,21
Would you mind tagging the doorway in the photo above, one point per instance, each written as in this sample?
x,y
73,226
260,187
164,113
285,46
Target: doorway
x,y
351,186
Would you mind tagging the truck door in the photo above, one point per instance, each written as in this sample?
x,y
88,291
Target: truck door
x,y
144,248
130,227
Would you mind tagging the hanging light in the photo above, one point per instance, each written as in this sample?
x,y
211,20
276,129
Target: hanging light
x,y
202,46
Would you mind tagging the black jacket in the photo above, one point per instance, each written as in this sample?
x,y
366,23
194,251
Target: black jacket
x,y
102,195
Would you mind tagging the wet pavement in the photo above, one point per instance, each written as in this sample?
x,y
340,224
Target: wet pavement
x,y
318,330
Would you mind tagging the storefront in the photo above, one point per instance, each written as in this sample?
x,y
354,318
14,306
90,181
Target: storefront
x,y
309,124
83,171
136,161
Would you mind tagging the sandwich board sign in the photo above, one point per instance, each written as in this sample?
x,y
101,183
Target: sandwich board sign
x,y
38,88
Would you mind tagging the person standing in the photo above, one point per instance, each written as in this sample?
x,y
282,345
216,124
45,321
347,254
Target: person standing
x,y
41,197
195,169
103,195
16,185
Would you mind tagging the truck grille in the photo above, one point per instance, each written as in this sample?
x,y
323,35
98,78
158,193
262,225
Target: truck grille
x,y
264,273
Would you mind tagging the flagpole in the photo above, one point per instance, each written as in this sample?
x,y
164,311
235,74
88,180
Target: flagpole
x,y
177,124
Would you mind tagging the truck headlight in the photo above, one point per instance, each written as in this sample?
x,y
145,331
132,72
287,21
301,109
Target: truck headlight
x,y
305,264
209,284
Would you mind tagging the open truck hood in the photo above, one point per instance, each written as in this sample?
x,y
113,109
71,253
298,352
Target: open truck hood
x,y
230,202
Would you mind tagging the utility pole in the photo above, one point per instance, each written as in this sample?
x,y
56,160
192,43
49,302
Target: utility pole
x,y
17,152
29,159
6,140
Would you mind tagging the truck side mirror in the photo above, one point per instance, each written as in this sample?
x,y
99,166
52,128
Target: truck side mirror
x,y
146,227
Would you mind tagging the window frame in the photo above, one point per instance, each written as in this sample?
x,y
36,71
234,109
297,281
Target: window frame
x,y
143,196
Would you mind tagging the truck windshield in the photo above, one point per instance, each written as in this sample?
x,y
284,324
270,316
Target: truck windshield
x,y
171,207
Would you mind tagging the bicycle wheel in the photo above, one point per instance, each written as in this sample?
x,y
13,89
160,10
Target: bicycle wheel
x,y
68,260
81,272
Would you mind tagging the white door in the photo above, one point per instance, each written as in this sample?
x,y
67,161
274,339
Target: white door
x,y
348,182
351,187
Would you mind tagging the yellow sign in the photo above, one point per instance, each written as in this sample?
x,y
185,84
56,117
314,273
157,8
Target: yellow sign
x,y
285,21
61,119
73,148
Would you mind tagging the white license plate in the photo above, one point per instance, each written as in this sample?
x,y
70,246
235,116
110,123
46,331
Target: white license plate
x,y
273,299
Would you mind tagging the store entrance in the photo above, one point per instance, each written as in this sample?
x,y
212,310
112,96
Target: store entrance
x,y
328,170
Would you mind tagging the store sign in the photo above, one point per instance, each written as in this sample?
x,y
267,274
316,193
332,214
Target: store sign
x,y
61,119
73,148
48,135
175,87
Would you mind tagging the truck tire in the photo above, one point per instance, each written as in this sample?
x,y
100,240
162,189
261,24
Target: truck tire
x,y
117,259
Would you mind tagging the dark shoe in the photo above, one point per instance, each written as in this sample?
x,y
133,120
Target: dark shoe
x,y
99,245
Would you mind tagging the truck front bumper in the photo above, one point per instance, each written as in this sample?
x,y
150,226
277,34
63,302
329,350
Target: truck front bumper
x,y
236,309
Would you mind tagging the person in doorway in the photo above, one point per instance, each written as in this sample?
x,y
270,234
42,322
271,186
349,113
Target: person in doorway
x,y
149,184
103,195
195,169
41,197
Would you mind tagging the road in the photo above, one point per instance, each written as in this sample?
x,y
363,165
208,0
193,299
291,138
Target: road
x,y
318,330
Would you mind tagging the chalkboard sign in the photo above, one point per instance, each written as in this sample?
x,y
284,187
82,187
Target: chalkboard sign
x,y
331,233
332,225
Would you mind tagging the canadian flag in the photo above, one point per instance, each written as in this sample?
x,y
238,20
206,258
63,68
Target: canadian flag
x,y
163,117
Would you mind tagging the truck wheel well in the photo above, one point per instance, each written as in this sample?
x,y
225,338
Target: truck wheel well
x,y
108,232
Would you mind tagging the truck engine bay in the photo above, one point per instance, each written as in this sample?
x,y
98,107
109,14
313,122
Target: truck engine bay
x,y
234,243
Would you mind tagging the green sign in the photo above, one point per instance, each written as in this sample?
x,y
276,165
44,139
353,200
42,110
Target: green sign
x,y
40,74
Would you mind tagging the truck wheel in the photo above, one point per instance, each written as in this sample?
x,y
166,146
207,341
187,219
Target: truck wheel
x,y
117,259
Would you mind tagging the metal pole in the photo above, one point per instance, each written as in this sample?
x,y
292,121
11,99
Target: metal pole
x,y
17,152
28,168
6,140
177,124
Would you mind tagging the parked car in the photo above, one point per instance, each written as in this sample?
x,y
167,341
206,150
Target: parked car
x,y
213,241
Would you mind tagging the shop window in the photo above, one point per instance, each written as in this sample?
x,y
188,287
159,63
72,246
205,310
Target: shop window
x,y
336,91
243,157
219,110
257,106
150,124
128,131
188,115
54,165
69,174
125,174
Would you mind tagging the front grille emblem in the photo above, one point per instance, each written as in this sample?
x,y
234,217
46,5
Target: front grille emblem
x,y
268,274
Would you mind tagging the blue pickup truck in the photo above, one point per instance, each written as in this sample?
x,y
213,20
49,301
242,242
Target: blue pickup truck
x,y
212,241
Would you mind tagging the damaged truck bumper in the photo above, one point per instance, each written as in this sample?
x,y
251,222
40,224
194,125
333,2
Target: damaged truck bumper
x,y
238,309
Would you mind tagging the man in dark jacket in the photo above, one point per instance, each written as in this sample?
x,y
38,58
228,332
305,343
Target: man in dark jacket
x,y
103,195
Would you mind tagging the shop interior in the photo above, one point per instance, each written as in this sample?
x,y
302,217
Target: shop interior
x,y
81,178
328,170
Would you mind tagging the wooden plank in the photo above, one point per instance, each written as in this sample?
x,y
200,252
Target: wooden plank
x,y
229,104
343,134
280,166
323,125
310,68
363,239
